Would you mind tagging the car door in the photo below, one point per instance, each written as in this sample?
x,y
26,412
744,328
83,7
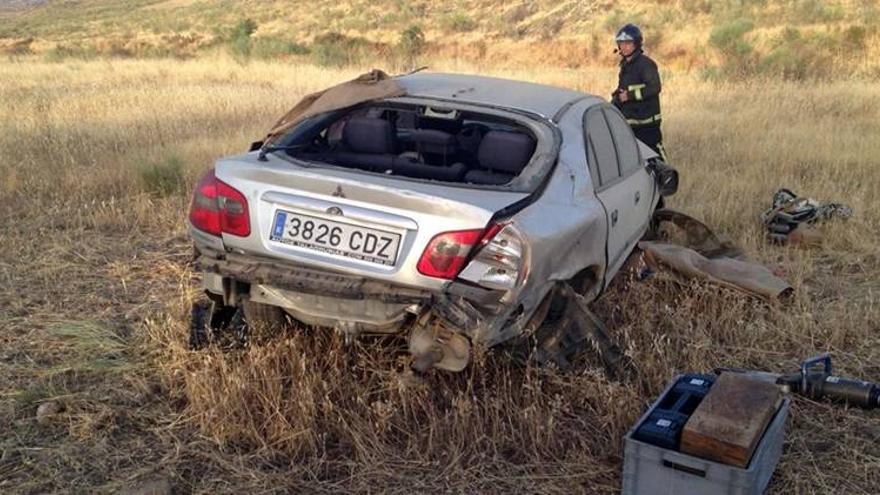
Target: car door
x,y
621,185
635,174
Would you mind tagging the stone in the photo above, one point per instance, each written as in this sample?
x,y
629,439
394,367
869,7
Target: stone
x,y
47,410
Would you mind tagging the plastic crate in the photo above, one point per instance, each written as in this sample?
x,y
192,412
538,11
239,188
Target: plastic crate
x,y
652,470
664,424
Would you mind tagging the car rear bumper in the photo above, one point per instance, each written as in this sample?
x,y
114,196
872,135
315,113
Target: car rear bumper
x,y
354,305
287,276
326,298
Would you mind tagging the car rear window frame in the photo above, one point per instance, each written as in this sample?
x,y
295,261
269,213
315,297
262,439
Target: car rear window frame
x,y
530,180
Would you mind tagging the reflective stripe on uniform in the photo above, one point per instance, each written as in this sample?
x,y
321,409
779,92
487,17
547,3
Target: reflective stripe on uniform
x,y
649,120
662,151
636,89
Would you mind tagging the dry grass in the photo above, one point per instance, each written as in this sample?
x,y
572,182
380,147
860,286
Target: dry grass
x,y
568,33
97,282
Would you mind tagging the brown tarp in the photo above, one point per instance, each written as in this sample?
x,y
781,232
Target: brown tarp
x,y
711,258
737,274
373,85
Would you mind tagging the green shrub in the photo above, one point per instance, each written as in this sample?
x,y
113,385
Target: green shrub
x,y
737,57
162,178
411,44
854,37
240,38
729,37
458,22
269,48
62,52
244,29
335,49
796,56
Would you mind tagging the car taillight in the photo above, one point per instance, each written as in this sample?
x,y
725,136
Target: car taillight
x,y
447,252
219,208
500,261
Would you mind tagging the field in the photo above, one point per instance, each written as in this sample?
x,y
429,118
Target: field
x,y
99,156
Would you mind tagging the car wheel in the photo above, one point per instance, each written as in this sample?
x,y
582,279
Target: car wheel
x,y
199,329
212,322
580,283
263,315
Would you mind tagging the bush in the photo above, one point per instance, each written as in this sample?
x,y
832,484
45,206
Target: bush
x,y
240,38
411,44
162,178
458,22
854,37
335,49
729,37
244,29
796,56
269,48
736,52
61,52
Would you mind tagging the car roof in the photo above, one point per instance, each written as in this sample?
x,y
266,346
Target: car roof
x,y
536,98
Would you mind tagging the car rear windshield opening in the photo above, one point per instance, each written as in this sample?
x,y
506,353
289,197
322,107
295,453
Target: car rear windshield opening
x,y
417,142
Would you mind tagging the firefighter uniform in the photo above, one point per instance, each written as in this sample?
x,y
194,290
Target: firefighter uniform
x,y
640,78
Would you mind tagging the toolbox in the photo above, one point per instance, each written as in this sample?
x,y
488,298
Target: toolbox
x,y
653,464
664,425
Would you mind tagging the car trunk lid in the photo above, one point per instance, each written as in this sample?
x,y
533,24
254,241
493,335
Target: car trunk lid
x,y
369,224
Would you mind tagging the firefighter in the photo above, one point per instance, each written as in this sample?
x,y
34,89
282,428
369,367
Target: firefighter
x,y
638,89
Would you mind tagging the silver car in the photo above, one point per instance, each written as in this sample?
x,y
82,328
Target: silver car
x,y
448,214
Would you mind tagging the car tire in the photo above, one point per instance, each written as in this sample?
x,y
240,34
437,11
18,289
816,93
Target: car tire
x,y
199,325
263,315
581,283
211,322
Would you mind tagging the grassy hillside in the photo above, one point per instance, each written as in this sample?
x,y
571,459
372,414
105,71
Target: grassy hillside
x,y
96,280
795,38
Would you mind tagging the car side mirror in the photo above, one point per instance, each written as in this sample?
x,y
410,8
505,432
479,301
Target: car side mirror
x,y
666,177
256,145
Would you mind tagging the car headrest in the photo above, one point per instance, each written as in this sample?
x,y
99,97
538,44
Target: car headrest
x,y
368,135
434,141
505,151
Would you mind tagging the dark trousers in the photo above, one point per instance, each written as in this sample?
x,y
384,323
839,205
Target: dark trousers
x,y
652,136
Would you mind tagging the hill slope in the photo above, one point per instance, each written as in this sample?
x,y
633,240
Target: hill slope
x,y
685,34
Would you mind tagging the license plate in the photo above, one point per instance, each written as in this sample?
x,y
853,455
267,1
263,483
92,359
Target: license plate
x,y
342,239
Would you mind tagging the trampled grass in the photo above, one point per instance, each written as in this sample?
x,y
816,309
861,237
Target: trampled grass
x,y
89,244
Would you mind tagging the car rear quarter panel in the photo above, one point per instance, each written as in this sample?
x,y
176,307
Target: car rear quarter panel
x,y
565,228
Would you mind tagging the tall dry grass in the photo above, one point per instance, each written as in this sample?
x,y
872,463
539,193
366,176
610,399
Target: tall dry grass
x,y
90,243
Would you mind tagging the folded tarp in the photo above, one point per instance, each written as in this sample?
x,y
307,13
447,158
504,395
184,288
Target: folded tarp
x,y
373,85
709,257
730,272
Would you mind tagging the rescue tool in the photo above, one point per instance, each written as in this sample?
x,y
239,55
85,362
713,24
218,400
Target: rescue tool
x,y
819,384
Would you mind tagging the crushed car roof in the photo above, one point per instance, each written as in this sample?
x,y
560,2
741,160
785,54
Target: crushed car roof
x,y
536,98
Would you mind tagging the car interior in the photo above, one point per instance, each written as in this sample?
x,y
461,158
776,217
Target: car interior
x,y
423,143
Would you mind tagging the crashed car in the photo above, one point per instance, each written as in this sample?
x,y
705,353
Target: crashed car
x,y
445,207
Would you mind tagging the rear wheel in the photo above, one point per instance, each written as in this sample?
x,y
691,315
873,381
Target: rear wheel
x,y
263,315
546,321
213,322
